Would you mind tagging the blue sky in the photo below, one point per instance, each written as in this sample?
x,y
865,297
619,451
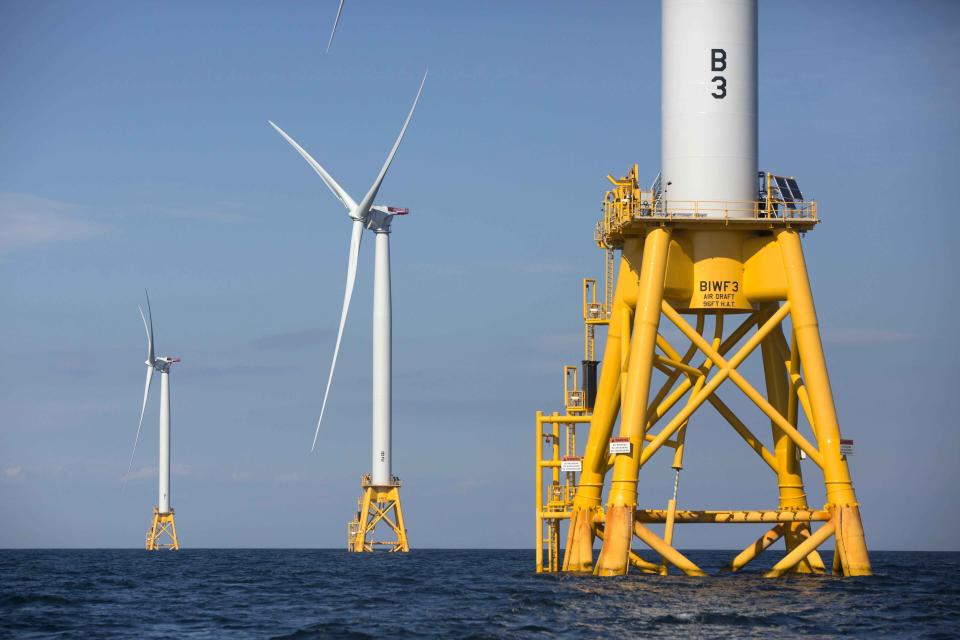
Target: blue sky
x,y
135,152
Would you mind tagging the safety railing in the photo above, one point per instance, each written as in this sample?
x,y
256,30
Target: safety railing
x,y
573,398
555,476
353,528
619,212
594,310
561,497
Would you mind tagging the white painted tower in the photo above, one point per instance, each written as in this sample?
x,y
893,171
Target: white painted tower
x,y
163,501
709,103
381,473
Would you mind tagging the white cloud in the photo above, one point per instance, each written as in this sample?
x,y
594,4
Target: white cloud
x,y
12,472
27,221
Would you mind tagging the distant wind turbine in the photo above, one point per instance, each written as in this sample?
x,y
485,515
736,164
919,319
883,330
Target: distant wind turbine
x,y
162,513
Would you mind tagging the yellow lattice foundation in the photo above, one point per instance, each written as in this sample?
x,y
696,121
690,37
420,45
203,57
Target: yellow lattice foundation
x,y
162,533
378,506
683,272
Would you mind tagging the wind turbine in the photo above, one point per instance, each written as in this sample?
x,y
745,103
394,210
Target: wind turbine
x,y
380,487
162,524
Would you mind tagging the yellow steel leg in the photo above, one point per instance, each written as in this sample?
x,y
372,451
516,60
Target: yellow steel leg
x,y
401,528
580,535
578,556
635,561
852,548
614,554
790,478
798,391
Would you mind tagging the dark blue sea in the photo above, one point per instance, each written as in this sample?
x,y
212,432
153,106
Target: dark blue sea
x,y
209,593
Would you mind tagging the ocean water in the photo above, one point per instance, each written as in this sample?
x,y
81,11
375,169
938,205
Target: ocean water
x,y
289,593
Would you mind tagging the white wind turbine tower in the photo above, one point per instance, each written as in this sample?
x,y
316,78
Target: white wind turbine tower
x,y
162,524
380,489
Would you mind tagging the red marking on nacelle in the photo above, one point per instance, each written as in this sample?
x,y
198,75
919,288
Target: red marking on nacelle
x,y
398,211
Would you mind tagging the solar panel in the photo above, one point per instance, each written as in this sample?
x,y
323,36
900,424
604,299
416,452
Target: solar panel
x,y
795,189
785,193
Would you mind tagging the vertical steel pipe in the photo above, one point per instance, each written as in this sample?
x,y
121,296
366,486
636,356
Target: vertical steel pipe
x,y
839,487
623,491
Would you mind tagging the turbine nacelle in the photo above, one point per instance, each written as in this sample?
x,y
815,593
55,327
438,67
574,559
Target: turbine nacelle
x,y
380,216
163,363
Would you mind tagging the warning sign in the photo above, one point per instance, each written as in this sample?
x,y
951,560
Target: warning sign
x,y
571,463
846,447
620,445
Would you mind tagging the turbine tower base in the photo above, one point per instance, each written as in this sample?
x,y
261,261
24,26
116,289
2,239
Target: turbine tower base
x,y
378,504
162,533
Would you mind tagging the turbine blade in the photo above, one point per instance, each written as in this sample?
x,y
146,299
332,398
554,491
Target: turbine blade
x,y
372,193
328,180
335,23
355,236
143,408
148,329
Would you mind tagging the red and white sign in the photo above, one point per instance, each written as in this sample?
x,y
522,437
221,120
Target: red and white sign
x,y
620,445
571,463
846,447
